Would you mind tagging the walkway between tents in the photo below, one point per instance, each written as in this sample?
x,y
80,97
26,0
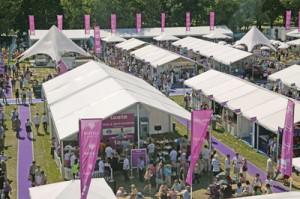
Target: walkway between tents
x,y
252,169
25,155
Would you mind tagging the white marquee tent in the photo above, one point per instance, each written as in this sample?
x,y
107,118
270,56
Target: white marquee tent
x,y
113,38
157,56
130,44
254,102
220,53
95,90
294,33
217,35
78,34
288,76
294,42
71,189
288,195
254,38
55,44
165,37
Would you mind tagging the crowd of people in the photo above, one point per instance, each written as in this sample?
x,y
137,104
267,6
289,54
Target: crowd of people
x,y
36,175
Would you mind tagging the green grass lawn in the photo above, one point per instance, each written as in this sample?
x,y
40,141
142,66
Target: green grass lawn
x,y
11,150
42,145
178,99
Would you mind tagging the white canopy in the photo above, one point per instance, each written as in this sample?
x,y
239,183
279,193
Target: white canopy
x,y
77,34
223,54
288,76
113,38
294,42
269,108
283,45
130,44
157,56
55,44
71,189
253,38
95,90
165,37
294,33
217,35
287,195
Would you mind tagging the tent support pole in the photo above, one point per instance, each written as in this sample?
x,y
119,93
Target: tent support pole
x,y
138,123
277,145
253,134
257,137
62,159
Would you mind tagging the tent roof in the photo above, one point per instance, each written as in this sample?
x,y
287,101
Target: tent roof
x,y
289,195
288,76
54,44
71,189
165,37
77,34
157,56
294,42
253,38
294,33
217,35
105,90
223,54
113,38
130,44
267,107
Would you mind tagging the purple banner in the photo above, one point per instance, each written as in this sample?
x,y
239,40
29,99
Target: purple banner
x,y
163,22
97,40
187,21
138,22
119,121
136,154
87,21
31,25
63,67
288,16
60,22
212,20
287,141
89,146
113,23
200,122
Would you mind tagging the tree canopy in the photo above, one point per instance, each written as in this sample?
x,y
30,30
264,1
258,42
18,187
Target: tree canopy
x,y
233,13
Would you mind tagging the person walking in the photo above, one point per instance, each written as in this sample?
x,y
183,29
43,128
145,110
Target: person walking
x,y
32,170
17,95
227,165
75,169
126,168
270,170
36,121
29,94
148,175
17,126
23,97
45,122
6,189
141,168
28,129
3,96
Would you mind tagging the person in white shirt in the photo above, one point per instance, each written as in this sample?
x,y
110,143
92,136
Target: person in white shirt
x,y
101,168
173,156
270,170
269,181
215,165
227,165
205,155
237,163
109,152
126,168
45,122
36,121
187,193
151,149
29,94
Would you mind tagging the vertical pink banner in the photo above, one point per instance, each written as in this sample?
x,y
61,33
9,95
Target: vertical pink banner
x,y
31,25
60,22
138,22
97,40
113,23
298,21
287,140
63,67
288,16
211,20
187,21
89,142
163,22
87,22
200,122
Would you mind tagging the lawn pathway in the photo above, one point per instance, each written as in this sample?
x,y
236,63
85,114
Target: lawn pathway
x,y
252,169
25,156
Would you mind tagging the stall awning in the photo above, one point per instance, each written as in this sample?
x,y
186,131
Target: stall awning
x,y
95,90
220,53
130,44
253,101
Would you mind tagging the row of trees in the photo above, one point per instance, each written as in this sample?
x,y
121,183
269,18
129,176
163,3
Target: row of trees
x,y
233,13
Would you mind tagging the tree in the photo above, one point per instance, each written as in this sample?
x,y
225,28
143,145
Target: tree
x,y
8,12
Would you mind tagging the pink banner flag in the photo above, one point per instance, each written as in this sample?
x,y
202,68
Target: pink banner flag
x,y
287,140
188,21
89,142
163,22
113,23
62,66
138,22
87,21
212,20
288,20
200,122
31,25
298,21
97,40
59,22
